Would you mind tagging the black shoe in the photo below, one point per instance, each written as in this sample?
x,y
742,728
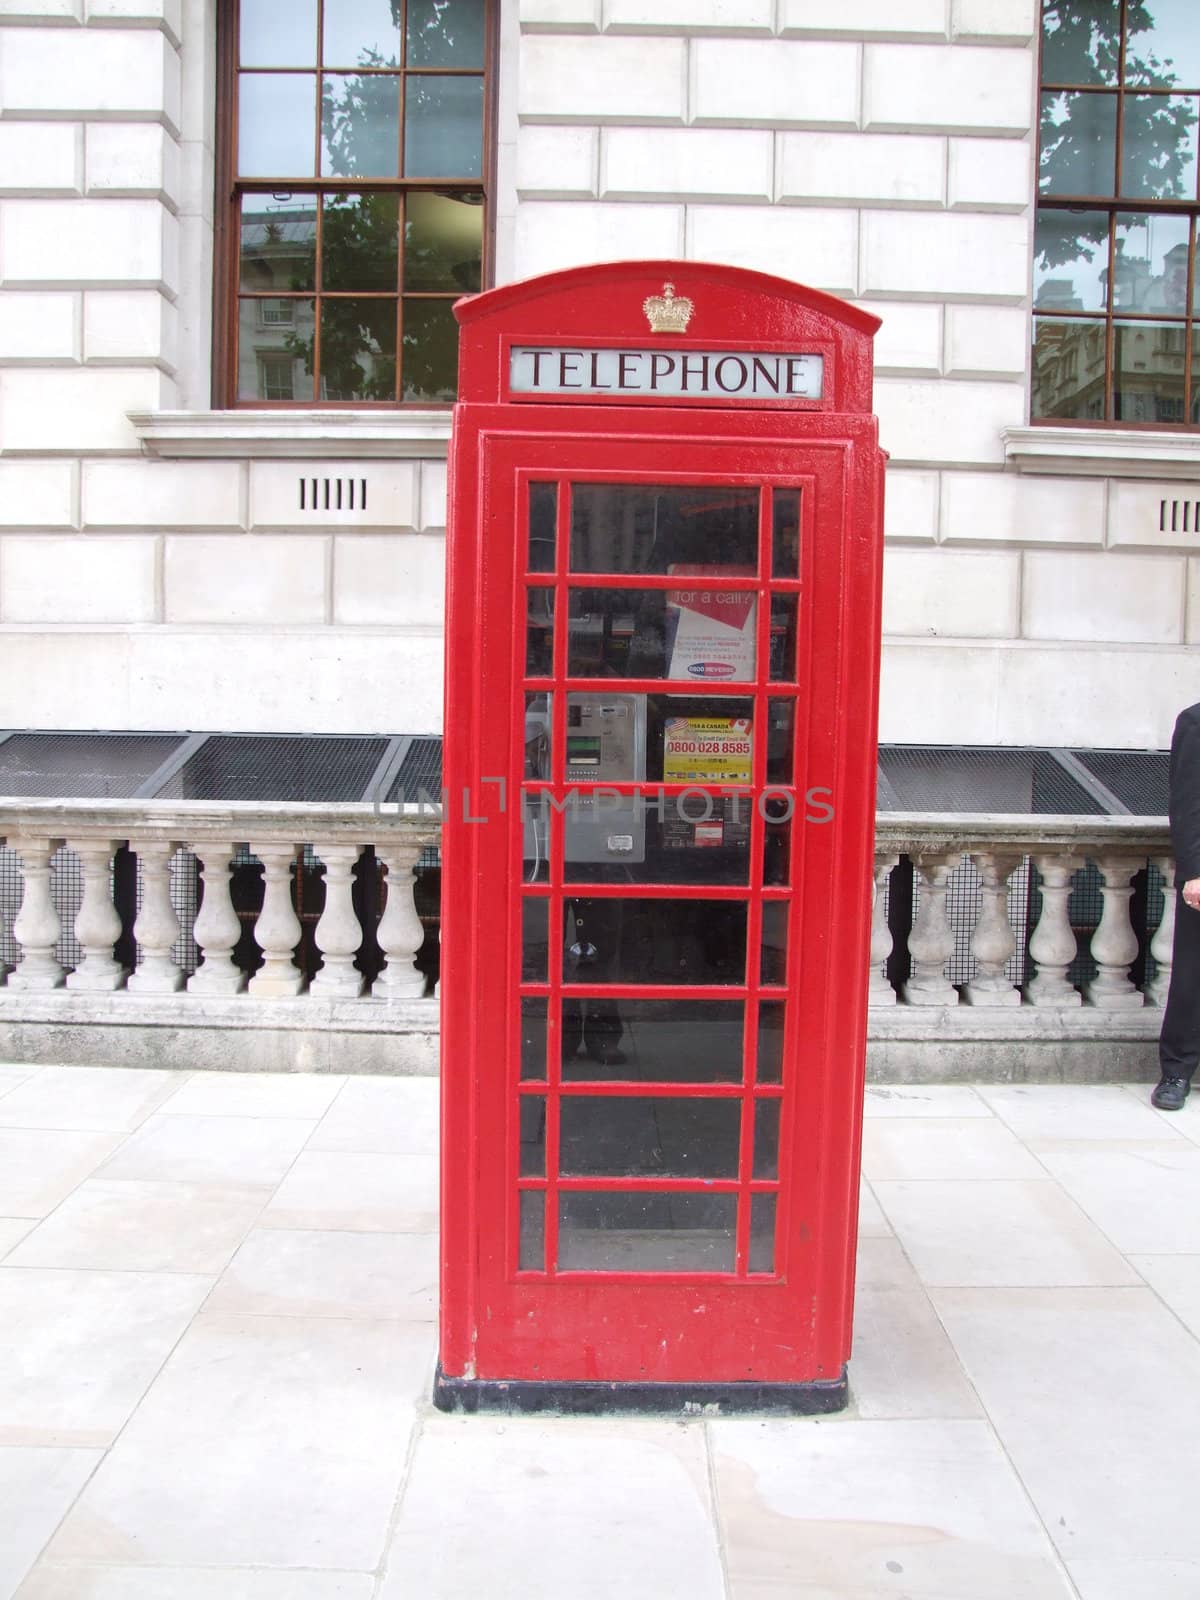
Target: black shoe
x,y
1170,1093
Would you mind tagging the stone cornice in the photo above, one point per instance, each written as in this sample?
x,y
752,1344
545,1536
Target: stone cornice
x,y
302,435
1103,452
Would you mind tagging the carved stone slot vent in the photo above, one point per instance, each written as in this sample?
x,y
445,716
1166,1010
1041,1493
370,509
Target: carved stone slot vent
x,y
333,494
1179,516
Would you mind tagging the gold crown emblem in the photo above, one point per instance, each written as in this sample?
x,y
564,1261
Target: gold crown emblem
x,y
666,312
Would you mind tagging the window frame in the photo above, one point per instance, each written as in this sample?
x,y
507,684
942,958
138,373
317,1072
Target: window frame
x,y
229,190
1115,205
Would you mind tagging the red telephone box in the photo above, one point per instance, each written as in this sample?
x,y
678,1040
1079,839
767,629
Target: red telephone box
x,y
662,637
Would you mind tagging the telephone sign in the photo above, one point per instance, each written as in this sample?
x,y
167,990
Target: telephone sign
x,y
662,636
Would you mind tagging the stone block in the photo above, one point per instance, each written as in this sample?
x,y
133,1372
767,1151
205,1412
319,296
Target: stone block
x,y
570,233
936,691
65,413
684,16
1002,21
686,163
41,157
1153,516
1002,508
773,83
49,13
164,14
814,246
249,578
558,163
1103,598
991,175
986,341
433,495
395,580
1192,634
1062,696
951,88
602,80
38,494
909,341
127,74
929,256
122,327
162,494
277,489
560,16
39,328
77,580
951,594
112,243
910,506
853,168
865,19
132,158
939,423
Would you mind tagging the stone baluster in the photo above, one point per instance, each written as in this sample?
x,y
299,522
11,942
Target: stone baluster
x,y
992,941
278,927
217,928
1053,945
338,933
881,992
97,922
156,927
931,941
1114,943
1162,945
36,927
400,932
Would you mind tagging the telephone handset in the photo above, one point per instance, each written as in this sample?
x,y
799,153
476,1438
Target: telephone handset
x,y
606,744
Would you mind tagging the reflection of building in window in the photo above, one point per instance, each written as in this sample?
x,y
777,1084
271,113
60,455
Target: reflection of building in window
x,y
274,312
276,378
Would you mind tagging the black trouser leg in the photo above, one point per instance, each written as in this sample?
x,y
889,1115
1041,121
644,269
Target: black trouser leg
x,y
1179,1042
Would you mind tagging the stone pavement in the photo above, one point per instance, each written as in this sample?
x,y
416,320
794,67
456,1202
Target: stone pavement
x,y
217,1302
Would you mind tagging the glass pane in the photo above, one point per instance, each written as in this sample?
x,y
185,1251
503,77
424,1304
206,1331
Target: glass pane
x,y
1078,144
533,1038
274,356
360,126
770,1041
1158,147
538,733
641,528
703,631
1081,41
652,1041
647,1136
443,128
1070,261
535,828
539,638
777,840
619,1231
535,940
1068,368
278,242
1148,360
655,941
677,837
358,350
271,35
785,550
784,610
1172,37
781,719
543,526
532,1254
1194,412
773,963
361,244
445,33
1151,269
430,372
762,1232
276,125
361,33
766,1138
533,1136
443,243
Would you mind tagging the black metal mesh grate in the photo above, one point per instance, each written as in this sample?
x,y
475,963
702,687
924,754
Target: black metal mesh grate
x,y
947,779
1138,778
82,766
420,775
257,767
